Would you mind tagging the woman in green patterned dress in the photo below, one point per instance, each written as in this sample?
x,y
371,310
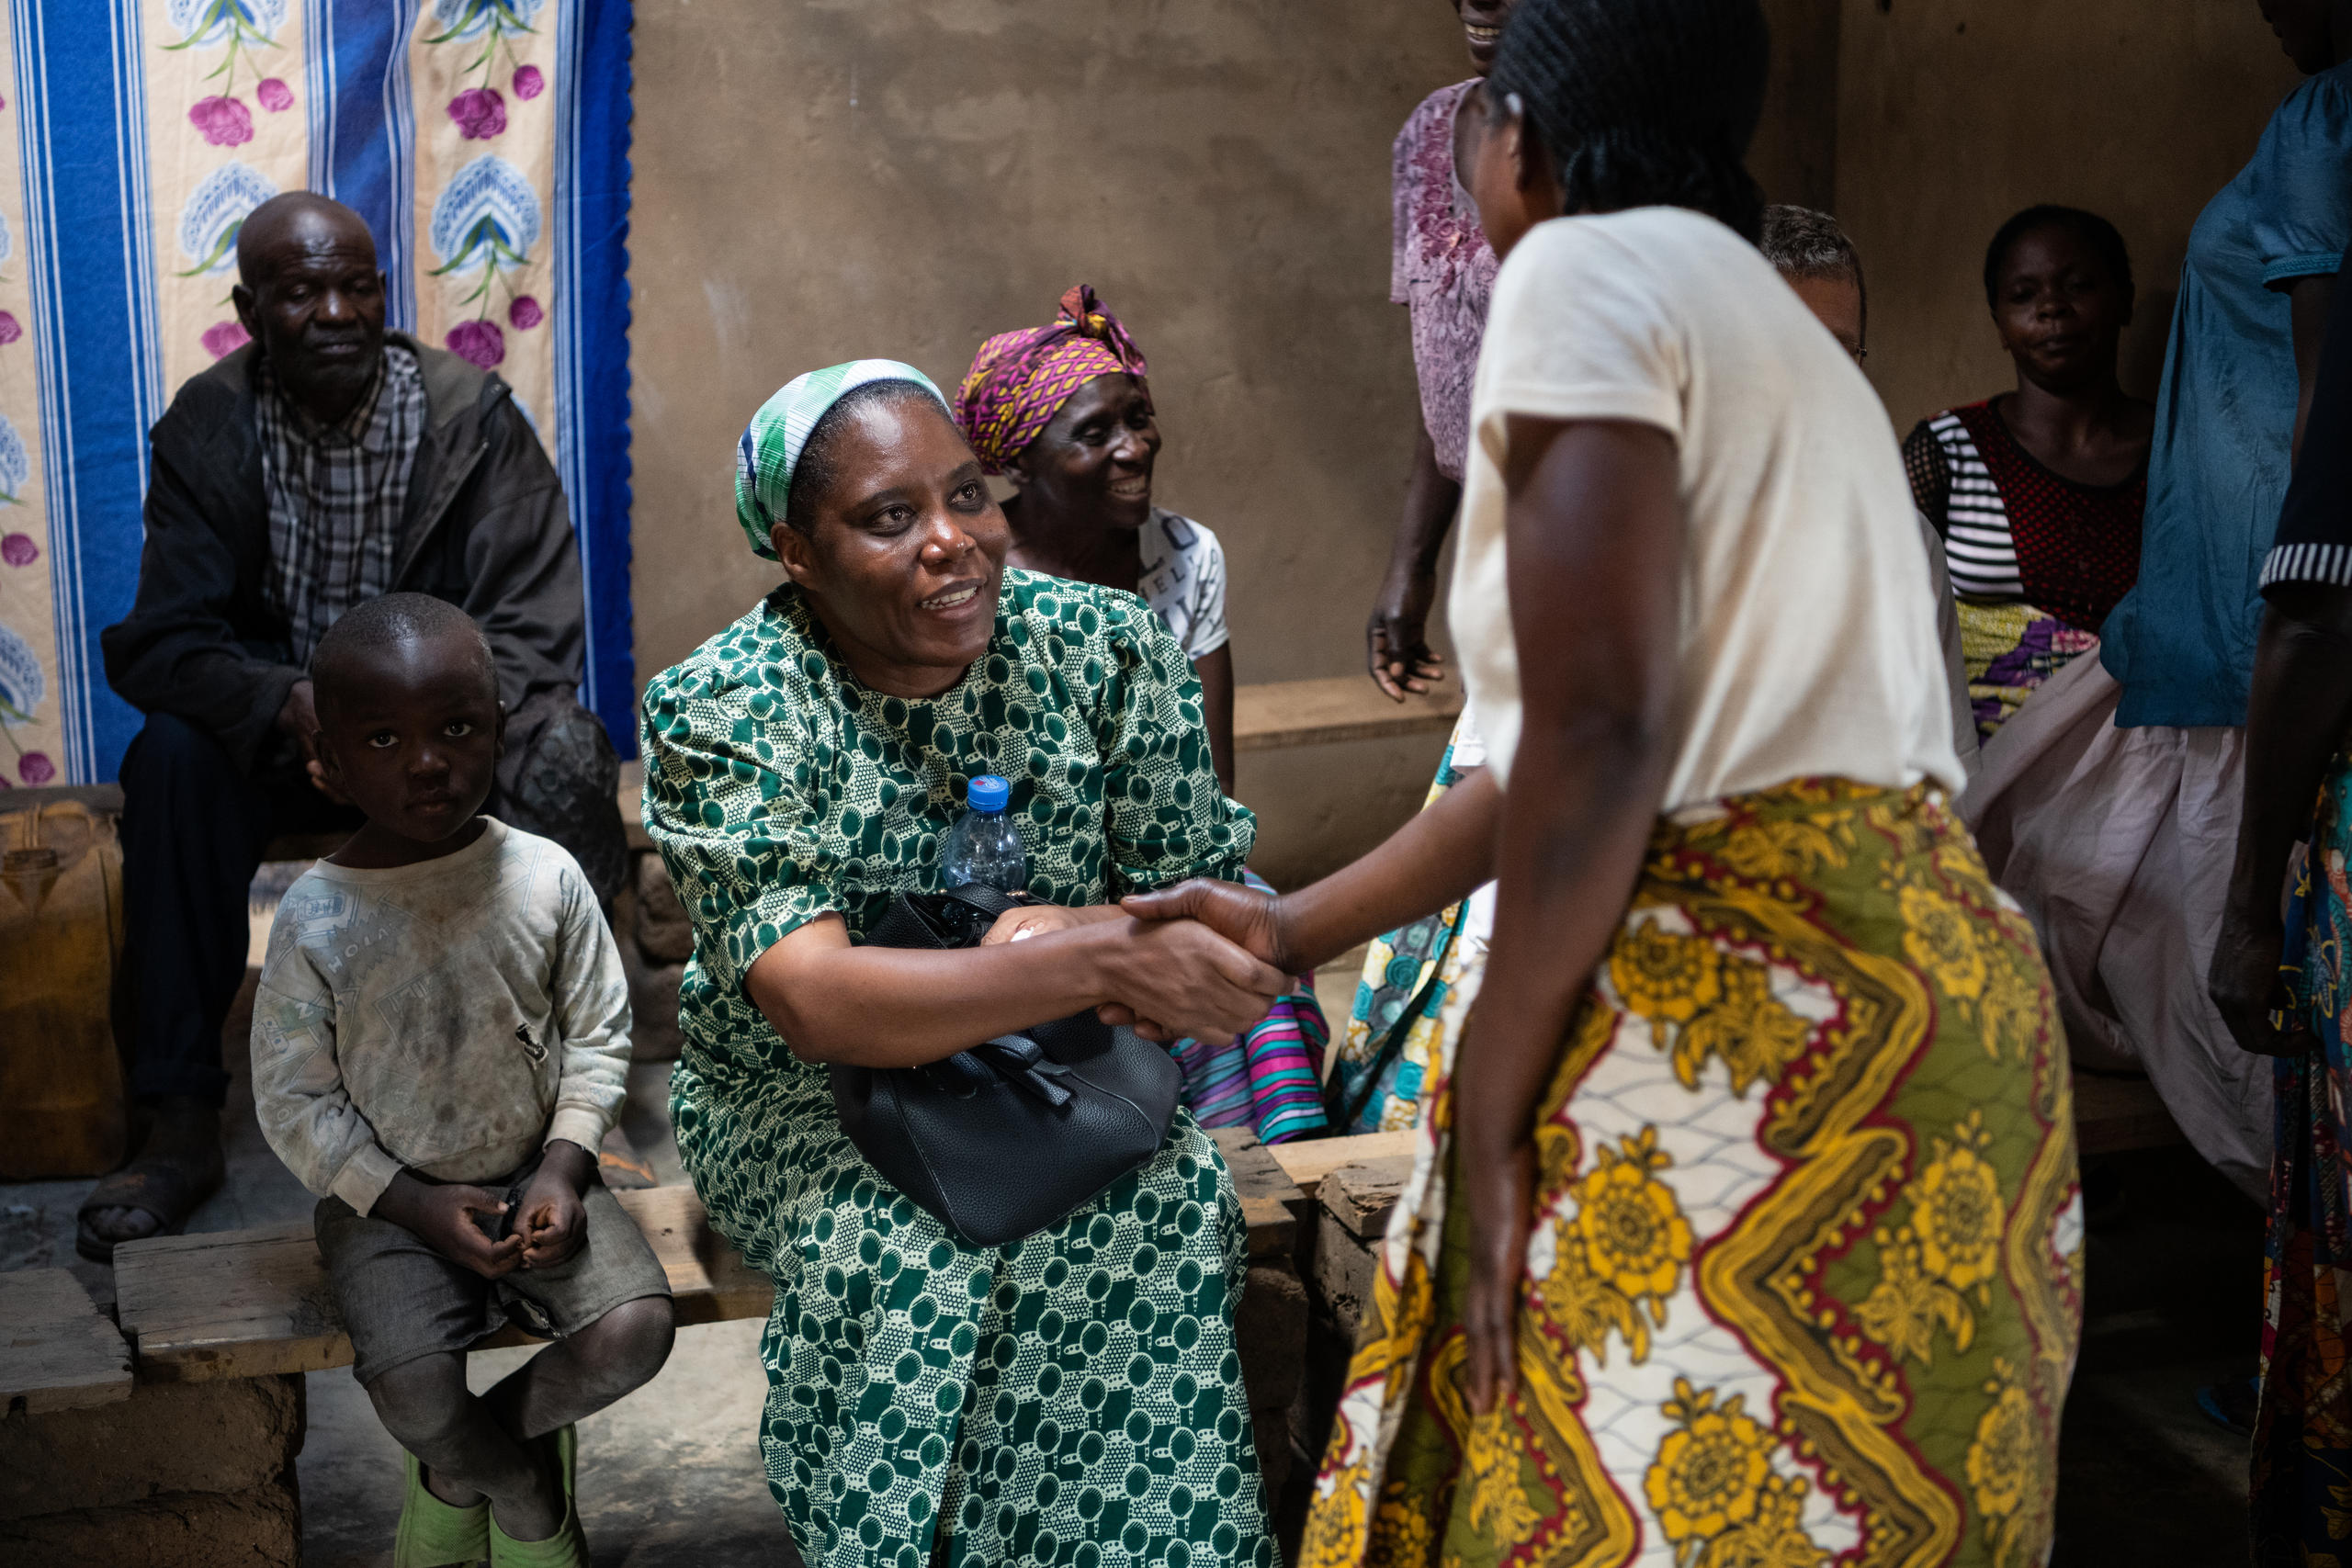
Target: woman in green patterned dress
x,y
1075,1397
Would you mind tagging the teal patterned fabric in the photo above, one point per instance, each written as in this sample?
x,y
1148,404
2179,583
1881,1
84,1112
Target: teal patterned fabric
x,y
1075,1398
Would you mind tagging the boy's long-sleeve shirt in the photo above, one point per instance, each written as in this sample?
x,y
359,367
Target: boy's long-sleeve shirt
x,y
451,1017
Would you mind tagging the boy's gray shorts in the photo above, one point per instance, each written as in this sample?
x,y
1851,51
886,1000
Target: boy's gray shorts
x,y
400,1300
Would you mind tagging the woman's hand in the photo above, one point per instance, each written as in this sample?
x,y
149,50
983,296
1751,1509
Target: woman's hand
x,y
1171,979
2244,983
1396,648
1241,915
1501,1194
1036,919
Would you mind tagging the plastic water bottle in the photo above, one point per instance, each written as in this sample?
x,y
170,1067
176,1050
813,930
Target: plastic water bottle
x,y
984,846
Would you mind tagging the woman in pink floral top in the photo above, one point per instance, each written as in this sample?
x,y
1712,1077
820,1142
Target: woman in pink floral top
x,y
1442,270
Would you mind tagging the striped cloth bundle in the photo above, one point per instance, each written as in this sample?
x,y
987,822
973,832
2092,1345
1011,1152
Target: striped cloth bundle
x,y
1269,1078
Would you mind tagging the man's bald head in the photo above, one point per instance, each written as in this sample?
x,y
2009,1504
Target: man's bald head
x,y
312,297
297,223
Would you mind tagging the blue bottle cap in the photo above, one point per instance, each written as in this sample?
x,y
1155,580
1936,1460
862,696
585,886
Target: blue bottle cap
x,y
988,794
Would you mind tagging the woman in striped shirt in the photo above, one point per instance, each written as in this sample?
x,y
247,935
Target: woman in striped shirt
x,y
2038,492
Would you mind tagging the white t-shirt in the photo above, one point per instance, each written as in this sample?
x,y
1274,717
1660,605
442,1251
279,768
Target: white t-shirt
x,y
1183,578
1808,643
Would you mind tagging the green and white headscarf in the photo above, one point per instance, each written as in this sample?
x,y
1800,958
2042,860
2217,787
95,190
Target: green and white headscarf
x,y
772,443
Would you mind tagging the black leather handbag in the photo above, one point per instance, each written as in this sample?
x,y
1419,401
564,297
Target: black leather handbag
x,y
1002,1140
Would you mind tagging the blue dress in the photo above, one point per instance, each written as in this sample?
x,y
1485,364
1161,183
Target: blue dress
x,y
2181,643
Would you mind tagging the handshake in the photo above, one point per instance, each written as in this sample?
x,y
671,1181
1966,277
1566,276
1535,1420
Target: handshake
x,y
1203,958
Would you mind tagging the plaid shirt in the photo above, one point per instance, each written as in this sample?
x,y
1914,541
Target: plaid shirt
x,y
336,495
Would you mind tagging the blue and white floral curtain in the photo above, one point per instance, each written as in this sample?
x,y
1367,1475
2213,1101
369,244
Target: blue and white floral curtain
x,y
486,142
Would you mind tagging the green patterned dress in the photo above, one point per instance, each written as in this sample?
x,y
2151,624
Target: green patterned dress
x,y
1074,1398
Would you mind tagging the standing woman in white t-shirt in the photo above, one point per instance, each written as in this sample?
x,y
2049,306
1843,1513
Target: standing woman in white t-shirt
x,y
1759,1240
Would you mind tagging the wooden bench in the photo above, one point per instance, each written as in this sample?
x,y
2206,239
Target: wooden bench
x,y
255,1304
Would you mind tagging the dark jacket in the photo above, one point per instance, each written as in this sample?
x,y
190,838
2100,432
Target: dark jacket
x,y
486,529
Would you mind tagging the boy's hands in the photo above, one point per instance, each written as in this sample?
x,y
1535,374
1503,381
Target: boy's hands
x,y
550,1221
450,1219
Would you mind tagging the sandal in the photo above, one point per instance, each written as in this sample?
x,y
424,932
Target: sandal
x,y
568,1548
435,1534
178,1167
623,1168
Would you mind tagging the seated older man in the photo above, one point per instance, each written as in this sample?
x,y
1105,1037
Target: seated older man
x,y
327,463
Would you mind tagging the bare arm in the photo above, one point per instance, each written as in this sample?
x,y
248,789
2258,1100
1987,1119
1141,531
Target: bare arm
x,y
887,1006
2297,715
1593,519
1438,858
2308,299
1215,670
1395,641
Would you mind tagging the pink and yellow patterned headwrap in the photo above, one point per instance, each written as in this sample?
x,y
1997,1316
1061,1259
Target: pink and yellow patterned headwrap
x,y
1020,379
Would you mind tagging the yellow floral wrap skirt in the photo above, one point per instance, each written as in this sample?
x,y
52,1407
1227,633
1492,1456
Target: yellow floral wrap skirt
x,y
1805,1280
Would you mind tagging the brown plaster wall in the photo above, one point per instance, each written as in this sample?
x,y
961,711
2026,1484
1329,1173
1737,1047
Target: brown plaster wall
x,y
1953,114
819,180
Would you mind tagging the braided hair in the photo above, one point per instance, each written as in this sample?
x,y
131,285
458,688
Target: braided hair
x,y
1641,103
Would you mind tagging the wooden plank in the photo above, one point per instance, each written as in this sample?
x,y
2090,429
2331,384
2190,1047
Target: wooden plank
x,y
1309,1162
61,1353
708,1279
1363,1193
252,1303
104,798
1347,707
1270,1202
2113,1114
229,1304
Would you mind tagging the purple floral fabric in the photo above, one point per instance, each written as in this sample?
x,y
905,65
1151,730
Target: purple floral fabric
x,y
1442,269
223,121
480,112
479,342
224,338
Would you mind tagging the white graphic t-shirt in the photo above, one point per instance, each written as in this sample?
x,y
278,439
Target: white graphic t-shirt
x,y
1183,578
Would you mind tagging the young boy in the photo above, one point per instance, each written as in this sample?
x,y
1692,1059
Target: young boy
x,y
440,1041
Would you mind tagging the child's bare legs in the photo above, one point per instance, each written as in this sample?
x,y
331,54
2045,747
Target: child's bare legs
x,y
466,1453
474,1447
580,1375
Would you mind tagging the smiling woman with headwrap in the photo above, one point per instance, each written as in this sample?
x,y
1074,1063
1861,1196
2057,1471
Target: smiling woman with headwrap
x,y
1016,1403
1064,410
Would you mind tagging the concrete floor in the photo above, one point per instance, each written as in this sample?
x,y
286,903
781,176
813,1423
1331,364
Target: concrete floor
x,y
2175,1303
672,1476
